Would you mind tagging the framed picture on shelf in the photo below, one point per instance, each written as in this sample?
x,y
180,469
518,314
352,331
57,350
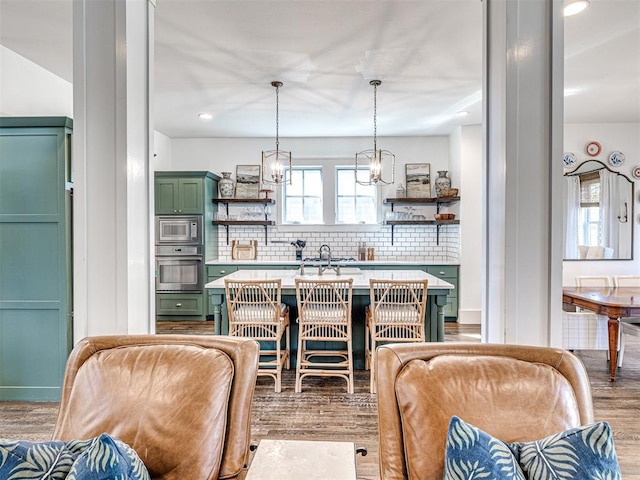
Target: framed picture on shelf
x,y
247,181
418,180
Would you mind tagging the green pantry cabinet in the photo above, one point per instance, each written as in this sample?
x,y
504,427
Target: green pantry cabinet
x,y
35,256
187,193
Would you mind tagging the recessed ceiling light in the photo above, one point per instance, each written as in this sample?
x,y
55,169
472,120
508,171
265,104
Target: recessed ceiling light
x,y
462,114
575,7
205,116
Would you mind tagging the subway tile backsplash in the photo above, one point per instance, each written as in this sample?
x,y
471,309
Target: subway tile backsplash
x,y
410,243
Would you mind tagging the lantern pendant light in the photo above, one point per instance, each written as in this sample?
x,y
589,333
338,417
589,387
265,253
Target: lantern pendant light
x,y
375,159
275,162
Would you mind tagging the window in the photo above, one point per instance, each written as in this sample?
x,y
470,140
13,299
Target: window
x,y
302,200
324,192
589,232
355,203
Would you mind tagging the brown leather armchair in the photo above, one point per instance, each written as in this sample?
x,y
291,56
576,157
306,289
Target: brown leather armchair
x,y
182,402
515,393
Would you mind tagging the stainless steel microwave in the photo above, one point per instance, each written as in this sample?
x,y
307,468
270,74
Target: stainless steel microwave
x,y
177,230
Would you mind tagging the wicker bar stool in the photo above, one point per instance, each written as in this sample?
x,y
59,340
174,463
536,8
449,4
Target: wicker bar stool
x,y
395,314
256,311
324,315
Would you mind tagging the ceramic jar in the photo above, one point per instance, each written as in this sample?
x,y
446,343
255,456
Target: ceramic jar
x,y
442,182
225,185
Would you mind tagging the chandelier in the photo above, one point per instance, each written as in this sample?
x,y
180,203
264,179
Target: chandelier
x,y
275,162
375,159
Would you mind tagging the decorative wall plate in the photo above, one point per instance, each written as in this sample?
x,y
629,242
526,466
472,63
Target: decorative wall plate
x,y
616,158
636,171
568,159
593,148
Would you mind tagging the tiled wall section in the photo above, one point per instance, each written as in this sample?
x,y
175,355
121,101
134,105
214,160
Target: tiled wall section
x,y
411,243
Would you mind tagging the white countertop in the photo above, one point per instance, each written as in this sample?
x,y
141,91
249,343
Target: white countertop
x,y
266,263
360,279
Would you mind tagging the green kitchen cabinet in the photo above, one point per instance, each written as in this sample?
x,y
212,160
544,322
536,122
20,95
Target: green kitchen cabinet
x,y
188,193
181,304
35,256
178,196
448,273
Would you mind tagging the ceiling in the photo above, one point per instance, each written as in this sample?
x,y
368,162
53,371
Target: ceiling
x,y
220,57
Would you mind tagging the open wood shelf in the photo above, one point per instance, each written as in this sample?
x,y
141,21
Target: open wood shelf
x,y
437,201
240,223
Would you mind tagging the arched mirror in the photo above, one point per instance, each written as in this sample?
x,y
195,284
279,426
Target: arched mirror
x,y
598,206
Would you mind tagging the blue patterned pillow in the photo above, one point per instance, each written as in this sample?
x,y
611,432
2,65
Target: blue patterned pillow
x,y
106,458
472,453
579,453
21,460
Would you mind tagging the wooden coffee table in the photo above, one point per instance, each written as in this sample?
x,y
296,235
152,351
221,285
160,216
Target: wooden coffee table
x,y
303,460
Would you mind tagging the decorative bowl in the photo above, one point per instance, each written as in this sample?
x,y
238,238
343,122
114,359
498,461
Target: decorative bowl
x,y
444,216
450,192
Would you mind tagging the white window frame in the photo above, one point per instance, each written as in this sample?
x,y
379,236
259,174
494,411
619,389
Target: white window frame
x,y
284,189
352,169
328,165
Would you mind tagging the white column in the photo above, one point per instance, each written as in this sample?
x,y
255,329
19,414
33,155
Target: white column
x,y
112,54
522,214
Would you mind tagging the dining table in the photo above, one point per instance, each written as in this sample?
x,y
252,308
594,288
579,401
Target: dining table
x,y
437,291
615,303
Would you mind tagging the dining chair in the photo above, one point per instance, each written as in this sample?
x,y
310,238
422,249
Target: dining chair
x,y
628,325
584,329
324,330
256,311
395,313
593,281
182,402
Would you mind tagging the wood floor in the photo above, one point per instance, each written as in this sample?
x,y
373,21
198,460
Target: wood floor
x,y
324,411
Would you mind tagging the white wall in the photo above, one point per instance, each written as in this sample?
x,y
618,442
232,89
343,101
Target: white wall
x,y
623,137
27,89
223,154
161,157
467,144
410,243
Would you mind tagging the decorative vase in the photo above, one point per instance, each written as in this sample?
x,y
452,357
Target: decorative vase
x,y
442,182
400,192
226,185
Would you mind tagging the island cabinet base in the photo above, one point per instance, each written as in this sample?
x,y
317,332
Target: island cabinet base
x,y
437,298
434,328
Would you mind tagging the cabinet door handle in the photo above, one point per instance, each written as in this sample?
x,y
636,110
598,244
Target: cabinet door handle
x,y
441,273
223,271
178,305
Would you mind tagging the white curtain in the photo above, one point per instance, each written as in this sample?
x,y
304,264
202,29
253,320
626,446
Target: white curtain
x,y
571,208
610,210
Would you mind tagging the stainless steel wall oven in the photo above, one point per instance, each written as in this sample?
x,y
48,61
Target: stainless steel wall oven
x,y
179,254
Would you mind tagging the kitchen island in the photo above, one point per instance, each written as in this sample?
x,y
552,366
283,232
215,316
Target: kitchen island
x,y
437,291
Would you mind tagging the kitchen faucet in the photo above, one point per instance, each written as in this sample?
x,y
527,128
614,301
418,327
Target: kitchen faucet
x,y
325,254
